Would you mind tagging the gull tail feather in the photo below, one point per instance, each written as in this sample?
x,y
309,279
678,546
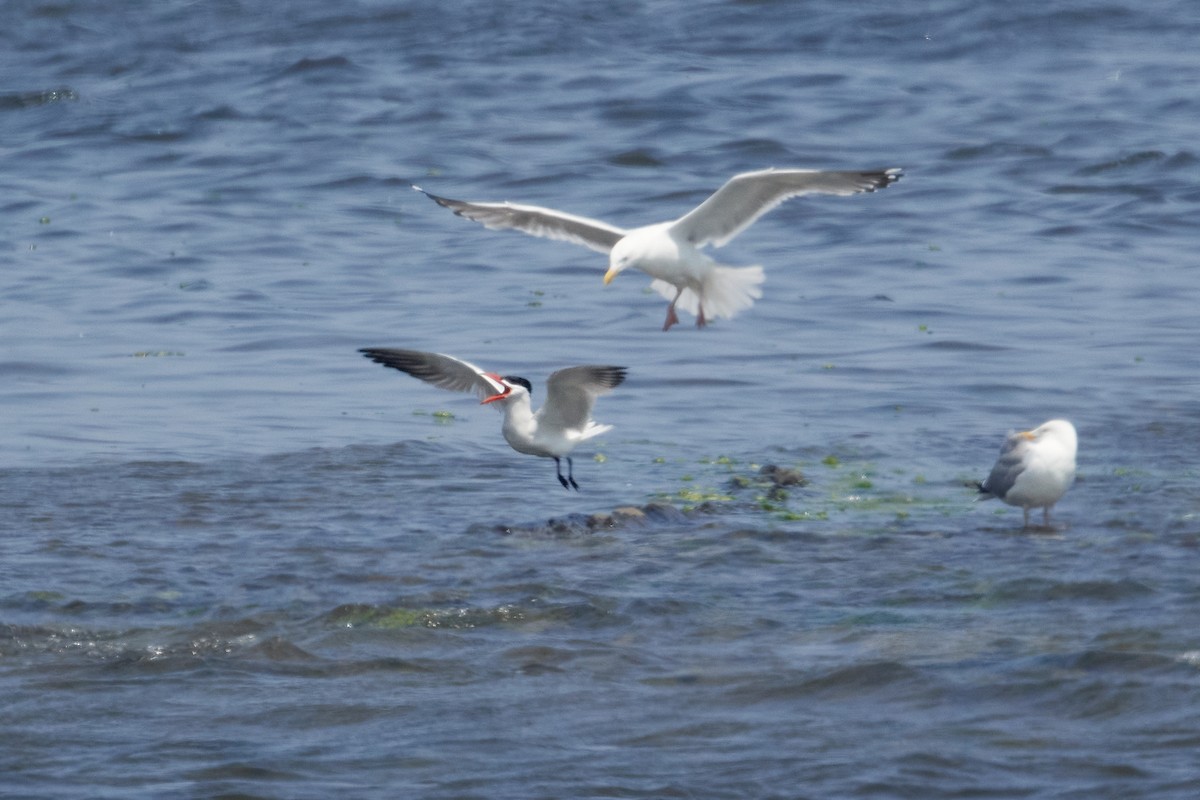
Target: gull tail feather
x,y
594,429
980,492
727,291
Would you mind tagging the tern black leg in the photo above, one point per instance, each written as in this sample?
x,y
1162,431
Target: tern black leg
x,y
558,472
571,474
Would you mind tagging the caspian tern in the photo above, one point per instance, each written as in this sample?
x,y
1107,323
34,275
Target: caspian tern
x,y
563,421
670,252
1035,468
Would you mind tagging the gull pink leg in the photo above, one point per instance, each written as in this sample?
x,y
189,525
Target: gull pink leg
x,y
672,319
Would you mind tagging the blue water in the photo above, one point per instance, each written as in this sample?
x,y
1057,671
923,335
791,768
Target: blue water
x,y
239,560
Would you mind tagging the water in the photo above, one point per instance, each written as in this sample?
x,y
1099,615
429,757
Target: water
x,y
237,559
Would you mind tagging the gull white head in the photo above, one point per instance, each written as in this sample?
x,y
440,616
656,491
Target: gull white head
x,y
1059,431
620,258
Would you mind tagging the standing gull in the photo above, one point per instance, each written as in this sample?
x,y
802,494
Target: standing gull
x,y
553,431
670,252
1035,468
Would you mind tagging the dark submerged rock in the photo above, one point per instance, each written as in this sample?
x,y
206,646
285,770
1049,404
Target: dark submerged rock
x,y
783,476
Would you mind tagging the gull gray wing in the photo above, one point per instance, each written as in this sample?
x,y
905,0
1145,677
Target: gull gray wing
x,y
443,371
746,197
1008,467
571,394
536,221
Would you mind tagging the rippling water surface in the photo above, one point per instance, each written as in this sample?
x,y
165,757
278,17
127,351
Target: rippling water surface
x,y
237,559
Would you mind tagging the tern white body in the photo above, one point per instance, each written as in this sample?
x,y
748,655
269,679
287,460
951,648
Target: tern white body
x,y
531,433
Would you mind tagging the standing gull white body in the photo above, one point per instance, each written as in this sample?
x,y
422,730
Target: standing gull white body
x,y
553,431
670,252
1035,468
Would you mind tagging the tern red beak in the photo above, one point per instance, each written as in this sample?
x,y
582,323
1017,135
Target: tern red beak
x,y
496,379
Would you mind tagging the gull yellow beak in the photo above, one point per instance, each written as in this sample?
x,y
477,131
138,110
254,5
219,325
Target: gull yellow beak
x,y
1027,435
608,276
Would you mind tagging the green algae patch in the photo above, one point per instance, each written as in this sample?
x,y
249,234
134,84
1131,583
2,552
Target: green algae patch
x,y
401,618
697,496
359,615
37,596
859,489
440,417
844,488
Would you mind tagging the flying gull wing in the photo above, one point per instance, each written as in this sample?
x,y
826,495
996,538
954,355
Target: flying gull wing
x,y
746,197
536,221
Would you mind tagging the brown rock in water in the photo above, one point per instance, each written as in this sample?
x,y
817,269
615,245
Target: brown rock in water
x,y
597,521
575,524
783,476
662,512
620,516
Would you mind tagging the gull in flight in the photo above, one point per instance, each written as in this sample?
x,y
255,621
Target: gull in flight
x,y
1035,468
670,252
553,431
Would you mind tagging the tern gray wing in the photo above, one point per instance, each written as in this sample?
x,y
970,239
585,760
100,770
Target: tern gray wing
x,y
536,221
571,394
1008,467
443,371
746,197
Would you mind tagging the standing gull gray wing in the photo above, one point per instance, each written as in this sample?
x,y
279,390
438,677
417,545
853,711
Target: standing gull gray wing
x,y
746,197
443,371
536,221
1008,467
571,394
